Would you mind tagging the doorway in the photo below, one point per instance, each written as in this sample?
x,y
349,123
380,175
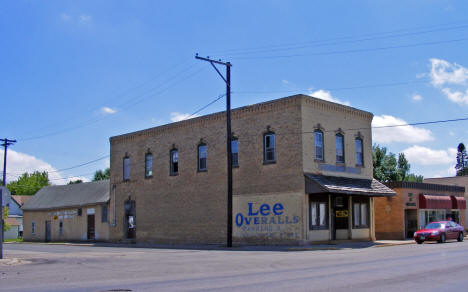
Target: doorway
x,y
91,229
47,231
130,219
411,222
339,214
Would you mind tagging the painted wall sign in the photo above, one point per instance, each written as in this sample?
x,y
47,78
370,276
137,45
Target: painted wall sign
x,y
266,217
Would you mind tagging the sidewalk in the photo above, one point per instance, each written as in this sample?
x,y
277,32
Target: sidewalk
x,y
335,245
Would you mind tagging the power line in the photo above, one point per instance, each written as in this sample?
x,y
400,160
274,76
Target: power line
x,y
355,50
336,42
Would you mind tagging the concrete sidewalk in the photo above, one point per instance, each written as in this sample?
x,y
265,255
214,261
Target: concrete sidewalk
x,y
335,245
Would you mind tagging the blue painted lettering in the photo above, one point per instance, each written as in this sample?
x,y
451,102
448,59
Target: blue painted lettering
x,y
247,220
265,209
278,209
256,219
251,213
239,219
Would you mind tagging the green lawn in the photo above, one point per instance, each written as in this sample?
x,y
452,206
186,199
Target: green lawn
x,y
14,240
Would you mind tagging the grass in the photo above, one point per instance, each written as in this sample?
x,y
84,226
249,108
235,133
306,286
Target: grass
x,y
13,240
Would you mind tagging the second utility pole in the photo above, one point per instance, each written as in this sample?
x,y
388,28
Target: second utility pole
x,y
229,139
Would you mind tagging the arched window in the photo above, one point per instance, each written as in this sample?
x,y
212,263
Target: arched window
x,y
339,143
318,141
126,168
148,165
269,148
359,152
202,155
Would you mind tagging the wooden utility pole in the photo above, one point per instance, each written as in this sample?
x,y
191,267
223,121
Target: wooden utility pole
x,y
6,143
227,80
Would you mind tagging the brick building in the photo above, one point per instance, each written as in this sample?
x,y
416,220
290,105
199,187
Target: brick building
x,y
74,212
302,173
414,206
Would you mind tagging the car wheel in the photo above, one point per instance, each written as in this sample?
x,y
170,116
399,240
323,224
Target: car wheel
x,y
442,238
460,237
419,241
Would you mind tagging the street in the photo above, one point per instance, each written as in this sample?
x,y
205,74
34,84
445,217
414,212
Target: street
x,y
427,267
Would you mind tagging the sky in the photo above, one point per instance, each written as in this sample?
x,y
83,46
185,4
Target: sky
x,y
74,73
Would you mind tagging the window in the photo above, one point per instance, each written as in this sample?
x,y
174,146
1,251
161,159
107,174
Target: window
x,y
318,213
174,157
269,148
103,213
339,142
33,227
126,168
61,227
202,157
359,152
148,165
360,213
318,140
79,212
235,152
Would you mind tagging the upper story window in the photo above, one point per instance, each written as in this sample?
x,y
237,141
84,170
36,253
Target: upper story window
x,y
269,148
235,152
318,140
104,213
174,159
359,152
202,155
148,165
33,227
126,168
339,143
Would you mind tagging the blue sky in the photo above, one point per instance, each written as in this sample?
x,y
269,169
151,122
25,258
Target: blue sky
x,y
74,73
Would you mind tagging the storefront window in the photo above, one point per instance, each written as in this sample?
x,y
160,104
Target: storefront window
x,y
360,213
318,212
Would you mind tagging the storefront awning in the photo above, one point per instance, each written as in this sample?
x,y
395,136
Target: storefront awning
x,y
319,184
434,202
458,202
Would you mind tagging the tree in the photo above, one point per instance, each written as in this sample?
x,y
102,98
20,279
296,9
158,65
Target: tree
x,y
462,160
6,226
28,184
388,168
102,175
78,181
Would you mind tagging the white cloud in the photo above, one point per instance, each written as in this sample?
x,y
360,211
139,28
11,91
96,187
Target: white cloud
x,y
427,156
326,95
85,18
405,134
443,72
73,178
177,117
284,81
416,97
108,111
65,17
451,133
459,97
446,172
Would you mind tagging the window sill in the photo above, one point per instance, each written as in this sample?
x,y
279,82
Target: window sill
x,y
202,170
269,162
148,177
360,227
235,166
174,174
360,166
319,160
126,180
318,228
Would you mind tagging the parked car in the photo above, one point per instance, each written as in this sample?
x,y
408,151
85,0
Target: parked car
x,y
440,231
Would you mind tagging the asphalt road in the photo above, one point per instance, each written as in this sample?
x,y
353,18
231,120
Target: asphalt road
x,y
427,267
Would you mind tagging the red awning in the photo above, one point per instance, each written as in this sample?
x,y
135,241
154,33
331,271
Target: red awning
x,y
434,202
458,202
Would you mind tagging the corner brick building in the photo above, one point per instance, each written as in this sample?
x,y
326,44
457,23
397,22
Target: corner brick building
x,y
302,173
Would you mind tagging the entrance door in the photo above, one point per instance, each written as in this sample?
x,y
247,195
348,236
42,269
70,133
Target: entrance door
x,y
340,215
90,226
411,222
130,219
47,231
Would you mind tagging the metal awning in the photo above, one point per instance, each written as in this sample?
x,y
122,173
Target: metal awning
x,y
434,202
458,202
319,184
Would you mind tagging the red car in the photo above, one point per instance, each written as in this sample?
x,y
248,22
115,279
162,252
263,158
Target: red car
x,y
440,231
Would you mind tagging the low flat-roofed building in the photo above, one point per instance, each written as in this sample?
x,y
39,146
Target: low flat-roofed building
x,y
414,206
302,172
74,212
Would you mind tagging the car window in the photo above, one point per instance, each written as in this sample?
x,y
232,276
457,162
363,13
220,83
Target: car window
x,y
433,226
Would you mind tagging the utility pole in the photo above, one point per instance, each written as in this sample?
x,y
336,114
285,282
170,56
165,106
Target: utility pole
x,y
227,80
6,143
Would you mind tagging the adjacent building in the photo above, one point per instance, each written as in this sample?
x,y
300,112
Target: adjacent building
x,y
302,173
414,206
456,181
74,212
15,216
